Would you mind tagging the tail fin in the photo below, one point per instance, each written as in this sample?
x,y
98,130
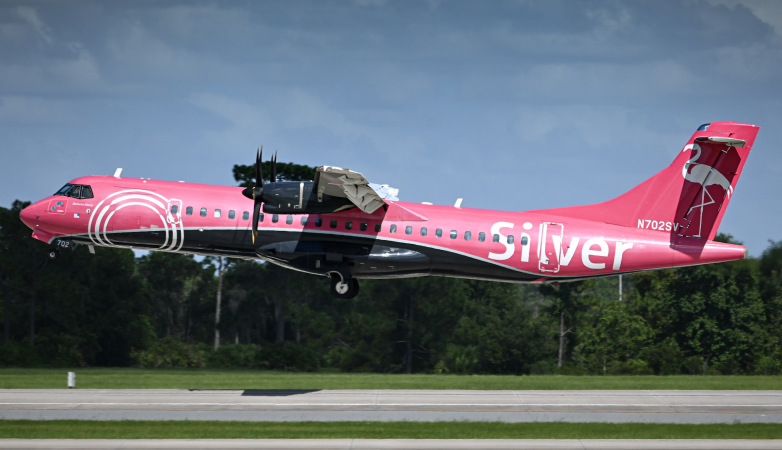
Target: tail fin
x,y
689,197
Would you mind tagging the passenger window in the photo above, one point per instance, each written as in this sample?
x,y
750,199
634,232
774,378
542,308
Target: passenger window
x,y
246,215
289,220
261,216
510,239
318,222
377,227
423,231
333,223
304,220
203,212
393,228
189,211
481,236
454,233
467,235
348,225
524,240
217,213
363,226
275,218
438,232
174,209
408,230
495,238
231,214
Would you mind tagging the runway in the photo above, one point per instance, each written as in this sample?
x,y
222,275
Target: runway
x,y
692,407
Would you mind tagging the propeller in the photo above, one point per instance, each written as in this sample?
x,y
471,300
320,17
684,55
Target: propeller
x,y
255,193
274,168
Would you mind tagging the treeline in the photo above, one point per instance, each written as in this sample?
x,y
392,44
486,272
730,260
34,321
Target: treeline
x,y
113,309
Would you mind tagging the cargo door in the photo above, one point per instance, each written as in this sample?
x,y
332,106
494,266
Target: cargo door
x,y
550,247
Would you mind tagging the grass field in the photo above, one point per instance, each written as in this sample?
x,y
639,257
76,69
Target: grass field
x,y
126,378
25,429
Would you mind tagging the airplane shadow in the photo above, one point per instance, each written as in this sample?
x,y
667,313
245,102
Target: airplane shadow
x,y
264,392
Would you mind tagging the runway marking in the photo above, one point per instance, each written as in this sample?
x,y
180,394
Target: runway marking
x,y
85,404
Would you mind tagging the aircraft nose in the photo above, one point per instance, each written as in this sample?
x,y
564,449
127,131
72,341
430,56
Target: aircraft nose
x,y
29,216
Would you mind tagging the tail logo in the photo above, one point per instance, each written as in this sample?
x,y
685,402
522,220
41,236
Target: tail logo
x,y
704,175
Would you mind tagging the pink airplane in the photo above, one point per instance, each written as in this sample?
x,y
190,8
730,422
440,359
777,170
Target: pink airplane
x,y
343,227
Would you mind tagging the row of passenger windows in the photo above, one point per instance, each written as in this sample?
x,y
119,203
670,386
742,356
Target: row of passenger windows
x,y
454,234
348,224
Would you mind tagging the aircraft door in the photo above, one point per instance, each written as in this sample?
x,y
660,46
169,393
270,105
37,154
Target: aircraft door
x,y
550,247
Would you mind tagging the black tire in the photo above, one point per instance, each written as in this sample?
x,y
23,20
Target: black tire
x,y
340,289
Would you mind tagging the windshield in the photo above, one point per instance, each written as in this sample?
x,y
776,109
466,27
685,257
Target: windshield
x,y
75,191
64,190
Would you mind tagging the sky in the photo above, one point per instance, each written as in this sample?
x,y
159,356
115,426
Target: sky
x,y
510,105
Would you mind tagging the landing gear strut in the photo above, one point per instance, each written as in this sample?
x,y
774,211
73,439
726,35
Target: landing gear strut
x,y
344,286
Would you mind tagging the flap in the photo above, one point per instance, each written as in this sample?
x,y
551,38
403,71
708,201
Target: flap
x,y
339,182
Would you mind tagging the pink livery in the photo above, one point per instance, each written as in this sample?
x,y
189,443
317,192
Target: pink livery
x,y
343,227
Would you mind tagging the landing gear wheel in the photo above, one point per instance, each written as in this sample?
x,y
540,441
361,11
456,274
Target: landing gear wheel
x,y
53,253
344,289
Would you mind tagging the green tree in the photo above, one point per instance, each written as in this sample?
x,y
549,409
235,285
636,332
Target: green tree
x,y
770,270
181,292
245,174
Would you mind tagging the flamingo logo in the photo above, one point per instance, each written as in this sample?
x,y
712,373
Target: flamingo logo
x,y
704,175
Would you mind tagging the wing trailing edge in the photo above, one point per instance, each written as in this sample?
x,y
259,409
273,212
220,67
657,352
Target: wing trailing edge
x,y
339,182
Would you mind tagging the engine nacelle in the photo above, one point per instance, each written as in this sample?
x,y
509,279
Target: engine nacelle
x,y
299,197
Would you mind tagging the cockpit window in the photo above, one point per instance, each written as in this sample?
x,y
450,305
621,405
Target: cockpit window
x,y
75,191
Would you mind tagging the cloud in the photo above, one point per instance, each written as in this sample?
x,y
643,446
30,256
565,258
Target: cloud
x,y
767,11
30,15
38,62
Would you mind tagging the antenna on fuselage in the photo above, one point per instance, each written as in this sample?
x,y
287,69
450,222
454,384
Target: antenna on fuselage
x,y
118,172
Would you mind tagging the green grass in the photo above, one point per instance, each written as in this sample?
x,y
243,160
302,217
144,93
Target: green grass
x,y
26,429
126,378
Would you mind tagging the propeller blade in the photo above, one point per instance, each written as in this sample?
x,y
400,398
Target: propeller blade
x,y
259,167
256,213
274,168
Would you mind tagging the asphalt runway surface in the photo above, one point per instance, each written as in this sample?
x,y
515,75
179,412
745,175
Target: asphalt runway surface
x,y
658,406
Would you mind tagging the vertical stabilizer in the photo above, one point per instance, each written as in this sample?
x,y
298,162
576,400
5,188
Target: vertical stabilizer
x,y
689,197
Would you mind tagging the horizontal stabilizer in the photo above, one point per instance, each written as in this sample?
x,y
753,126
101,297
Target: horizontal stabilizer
x,y
730,142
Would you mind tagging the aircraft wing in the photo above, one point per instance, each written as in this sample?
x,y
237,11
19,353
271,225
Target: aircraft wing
x,y
345,183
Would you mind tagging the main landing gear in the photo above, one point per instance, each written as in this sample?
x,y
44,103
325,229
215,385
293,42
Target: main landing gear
x,y
343,286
